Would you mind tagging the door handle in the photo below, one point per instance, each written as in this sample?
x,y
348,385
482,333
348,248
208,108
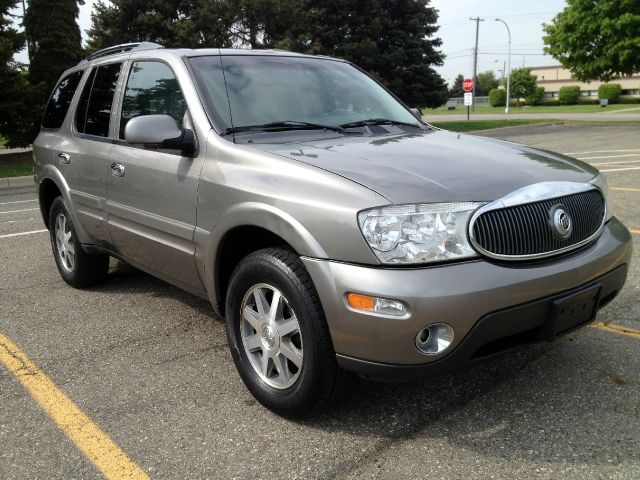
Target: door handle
x,y
117,170
64,158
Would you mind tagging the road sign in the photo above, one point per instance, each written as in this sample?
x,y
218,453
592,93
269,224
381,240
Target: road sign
x,y
468,99
467,85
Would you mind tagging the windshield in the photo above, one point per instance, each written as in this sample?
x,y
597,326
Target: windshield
x,y
264,91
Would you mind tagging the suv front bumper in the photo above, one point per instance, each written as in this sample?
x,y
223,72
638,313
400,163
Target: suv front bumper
x,y
491,306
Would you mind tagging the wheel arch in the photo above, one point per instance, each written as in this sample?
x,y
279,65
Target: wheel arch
x,y
248,228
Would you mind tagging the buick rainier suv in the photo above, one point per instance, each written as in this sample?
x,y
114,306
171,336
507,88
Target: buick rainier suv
x,y
334,231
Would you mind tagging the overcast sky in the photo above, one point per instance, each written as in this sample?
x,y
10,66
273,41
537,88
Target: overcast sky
x,y
525,20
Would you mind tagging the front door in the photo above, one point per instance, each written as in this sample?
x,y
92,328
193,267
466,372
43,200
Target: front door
x,y
152,193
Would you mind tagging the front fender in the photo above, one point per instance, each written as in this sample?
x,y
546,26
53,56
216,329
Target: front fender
x,y
252,214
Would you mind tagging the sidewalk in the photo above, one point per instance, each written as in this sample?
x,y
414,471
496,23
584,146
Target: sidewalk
x,y
15,182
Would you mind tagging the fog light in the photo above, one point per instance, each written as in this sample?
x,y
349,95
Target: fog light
x,y
435,338
368,303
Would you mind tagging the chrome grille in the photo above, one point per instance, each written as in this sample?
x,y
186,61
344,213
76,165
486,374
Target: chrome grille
x,y
526,231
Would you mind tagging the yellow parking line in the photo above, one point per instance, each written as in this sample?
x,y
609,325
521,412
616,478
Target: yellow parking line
x,y
634,230
609,327
625,189
86,435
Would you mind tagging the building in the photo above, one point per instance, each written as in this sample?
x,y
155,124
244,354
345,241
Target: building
x,y
555,76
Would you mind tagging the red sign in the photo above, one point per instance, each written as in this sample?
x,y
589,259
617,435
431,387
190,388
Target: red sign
x,y
467,85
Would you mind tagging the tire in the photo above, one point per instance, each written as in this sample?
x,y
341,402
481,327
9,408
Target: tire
x,y
282,386
78,268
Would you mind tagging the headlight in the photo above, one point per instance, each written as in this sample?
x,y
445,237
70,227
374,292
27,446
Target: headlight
x,y
419,233
601,182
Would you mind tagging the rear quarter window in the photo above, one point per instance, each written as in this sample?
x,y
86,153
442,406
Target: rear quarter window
x,y
60,100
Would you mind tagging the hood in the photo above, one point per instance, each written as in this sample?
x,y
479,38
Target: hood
x,y
434,165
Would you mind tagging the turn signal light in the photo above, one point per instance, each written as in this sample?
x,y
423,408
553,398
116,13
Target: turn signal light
x,y
368,303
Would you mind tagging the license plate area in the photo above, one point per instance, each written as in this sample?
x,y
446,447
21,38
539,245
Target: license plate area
x,y
572,311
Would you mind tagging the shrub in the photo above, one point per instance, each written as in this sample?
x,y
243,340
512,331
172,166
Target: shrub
x,y
569,95
536,97
610,91
629,100
498,97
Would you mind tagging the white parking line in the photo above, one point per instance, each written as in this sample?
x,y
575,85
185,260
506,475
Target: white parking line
x,y
22,233
620,169
18,211
603,151
614,163
17,201
609,156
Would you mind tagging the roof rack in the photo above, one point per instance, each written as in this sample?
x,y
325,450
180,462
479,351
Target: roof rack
x,y
125,47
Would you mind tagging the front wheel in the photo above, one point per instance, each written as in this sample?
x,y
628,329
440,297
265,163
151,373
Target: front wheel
x,y
278,334
77,267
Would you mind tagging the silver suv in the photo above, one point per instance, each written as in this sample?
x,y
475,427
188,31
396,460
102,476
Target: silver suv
x,y
332,229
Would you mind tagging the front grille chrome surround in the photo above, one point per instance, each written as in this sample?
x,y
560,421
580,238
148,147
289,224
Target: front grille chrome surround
x,y
516,228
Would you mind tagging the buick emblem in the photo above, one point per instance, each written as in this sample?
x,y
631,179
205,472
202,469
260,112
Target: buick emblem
x,y
561,222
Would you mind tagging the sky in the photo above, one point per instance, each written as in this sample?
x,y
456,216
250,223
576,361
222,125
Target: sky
x,y
525,21
457,32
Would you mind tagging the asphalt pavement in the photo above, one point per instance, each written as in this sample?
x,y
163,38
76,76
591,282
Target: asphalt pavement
x,y
148,365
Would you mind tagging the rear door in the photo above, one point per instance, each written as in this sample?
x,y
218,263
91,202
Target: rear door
x,y
152,193
83,154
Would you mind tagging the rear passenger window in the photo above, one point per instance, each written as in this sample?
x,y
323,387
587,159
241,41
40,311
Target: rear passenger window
x,y
152,89
94,108
60,100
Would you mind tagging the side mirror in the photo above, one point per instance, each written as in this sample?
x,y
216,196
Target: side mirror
x,y
416,113
161,130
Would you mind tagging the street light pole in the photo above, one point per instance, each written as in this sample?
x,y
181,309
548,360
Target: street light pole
x,y
506,110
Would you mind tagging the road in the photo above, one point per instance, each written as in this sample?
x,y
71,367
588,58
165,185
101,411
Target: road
x,y
149,367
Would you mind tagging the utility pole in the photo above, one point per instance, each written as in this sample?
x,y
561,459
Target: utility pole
x,y
475,60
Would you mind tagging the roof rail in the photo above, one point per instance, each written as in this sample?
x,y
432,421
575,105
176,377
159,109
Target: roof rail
x,y
125,47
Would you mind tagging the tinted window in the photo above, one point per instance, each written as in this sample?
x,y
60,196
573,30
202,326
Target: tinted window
x,y
273,89
60,100
152,89
94,108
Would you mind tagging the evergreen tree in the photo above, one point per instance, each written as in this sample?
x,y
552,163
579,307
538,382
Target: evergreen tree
x,y
171,23
17,116
392,39
456,89
54,39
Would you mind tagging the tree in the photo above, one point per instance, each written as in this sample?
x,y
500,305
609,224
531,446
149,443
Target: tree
x,y
172,23
485,82
596,39
523,84
54,39
17,116
456,89
392,39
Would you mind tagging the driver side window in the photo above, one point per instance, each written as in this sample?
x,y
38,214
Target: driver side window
x,y
152,88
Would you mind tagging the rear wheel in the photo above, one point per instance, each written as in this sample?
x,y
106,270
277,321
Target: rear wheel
x,y
77,268
278,334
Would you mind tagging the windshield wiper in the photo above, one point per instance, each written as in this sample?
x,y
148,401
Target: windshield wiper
x,y
377,121
283,126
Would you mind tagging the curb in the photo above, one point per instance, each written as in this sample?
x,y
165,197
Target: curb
x,y
16,182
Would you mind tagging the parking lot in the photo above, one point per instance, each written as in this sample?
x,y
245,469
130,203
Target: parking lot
x,y
148,366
